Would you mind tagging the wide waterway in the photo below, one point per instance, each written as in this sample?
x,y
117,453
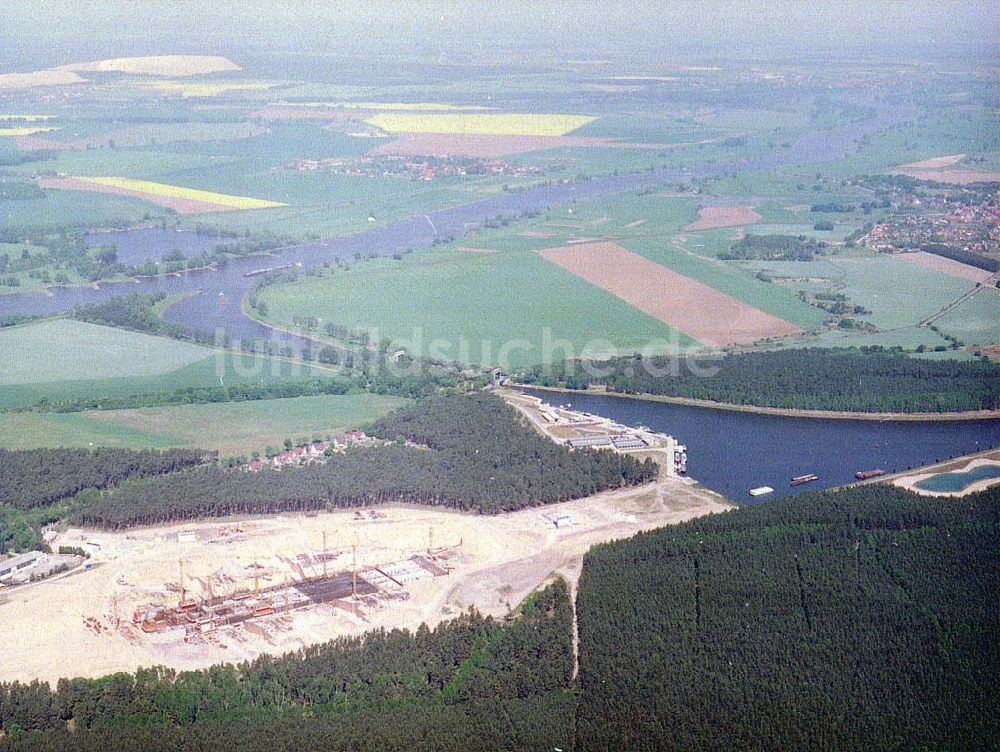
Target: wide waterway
x,y
213,297
732,452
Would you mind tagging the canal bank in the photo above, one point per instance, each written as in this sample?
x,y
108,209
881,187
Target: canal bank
x,y
788,412
732,452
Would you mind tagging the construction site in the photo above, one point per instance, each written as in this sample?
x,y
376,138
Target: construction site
x,y
192,595
352,591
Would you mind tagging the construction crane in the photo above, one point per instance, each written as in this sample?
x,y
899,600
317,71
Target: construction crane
x,y
183,591
354,570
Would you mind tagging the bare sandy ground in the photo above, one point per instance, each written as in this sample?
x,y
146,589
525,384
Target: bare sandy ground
x,y
954,177
934,163
714,217
179,205
945,266
39,78
689,306
158,65
80,625
939,169
909,482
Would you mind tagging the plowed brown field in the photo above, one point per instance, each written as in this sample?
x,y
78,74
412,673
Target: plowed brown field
x,y
713,217
689,306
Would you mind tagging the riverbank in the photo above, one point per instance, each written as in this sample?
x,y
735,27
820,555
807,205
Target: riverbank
x,y
906,478
788,412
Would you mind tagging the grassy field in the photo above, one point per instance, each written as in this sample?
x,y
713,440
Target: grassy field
x,y
243,426
505,124
206,89
976,321
467,307
882,284
61,209
62,360
231,427
62,349
632,215
159,134
341,205
37,430
133,162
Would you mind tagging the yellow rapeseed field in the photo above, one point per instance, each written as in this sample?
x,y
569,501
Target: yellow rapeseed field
x,y
27,130
176,191
497,124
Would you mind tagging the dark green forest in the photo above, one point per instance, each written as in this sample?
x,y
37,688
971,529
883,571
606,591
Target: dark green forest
x,y
862,380
469,683
775,247
37,477
466,451
36,484
864,619
859,619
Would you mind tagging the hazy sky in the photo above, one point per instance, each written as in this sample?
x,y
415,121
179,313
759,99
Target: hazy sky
x,y
49,32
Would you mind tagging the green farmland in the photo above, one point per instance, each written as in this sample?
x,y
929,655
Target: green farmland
x,y
62,360
976,321
65,350
231,427
472,308
886,286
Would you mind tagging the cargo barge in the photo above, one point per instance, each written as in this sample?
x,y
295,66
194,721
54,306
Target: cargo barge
x,y
798,480
267,269
866,474
761,491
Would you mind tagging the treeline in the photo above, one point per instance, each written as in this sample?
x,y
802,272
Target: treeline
x,y
863,380
385,382
862,620
32,478
470,682
137,311
775,248
966,257
470,452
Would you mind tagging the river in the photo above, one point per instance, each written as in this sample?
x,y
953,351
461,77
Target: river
x,y
729,452
213,301
732,452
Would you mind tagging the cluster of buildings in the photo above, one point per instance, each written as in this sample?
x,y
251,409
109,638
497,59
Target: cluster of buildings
x,y
579,430
32,566
314,451
946,218
413,168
